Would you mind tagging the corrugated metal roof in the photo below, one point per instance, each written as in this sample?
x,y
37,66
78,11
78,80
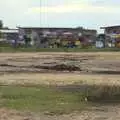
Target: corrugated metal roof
x,y
56,28
9,30
110,27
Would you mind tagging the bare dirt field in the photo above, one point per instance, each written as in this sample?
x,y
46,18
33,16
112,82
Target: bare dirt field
x,y
61,69
95,113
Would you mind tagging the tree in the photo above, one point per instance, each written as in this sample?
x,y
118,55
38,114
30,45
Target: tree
x,y
1,35
80,28
1,24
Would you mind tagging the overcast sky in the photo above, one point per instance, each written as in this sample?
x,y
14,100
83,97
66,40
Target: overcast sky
x,y
60,13
16,12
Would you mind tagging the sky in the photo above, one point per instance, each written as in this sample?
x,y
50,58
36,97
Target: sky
x,y
91,14
16,13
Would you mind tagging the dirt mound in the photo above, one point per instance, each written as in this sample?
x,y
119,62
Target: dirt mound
x,y
60,67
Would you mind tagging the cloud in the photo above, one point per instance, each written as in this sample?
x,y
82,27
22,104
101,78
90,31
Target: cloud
x,y
105,3
86,13
76,7
90,13
34,10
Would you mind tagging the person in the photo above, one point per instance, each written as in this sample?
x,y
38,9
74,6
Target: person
x,y
27,40
14,43
58,43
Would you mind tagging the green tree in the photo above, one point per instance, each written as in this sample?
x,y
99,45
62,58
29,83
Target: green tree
x,y
1,35
1,24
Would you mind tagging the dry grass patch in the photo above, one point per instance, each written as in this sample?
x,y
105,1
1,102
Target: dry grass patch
x,y
59,79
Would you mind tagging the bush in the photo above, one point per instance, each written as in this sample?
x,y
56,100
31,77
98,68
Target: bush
x,y
104,94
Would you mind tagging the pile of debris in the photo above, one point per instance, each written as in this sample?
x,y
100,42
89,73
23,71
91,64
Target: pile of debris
x,y
61,67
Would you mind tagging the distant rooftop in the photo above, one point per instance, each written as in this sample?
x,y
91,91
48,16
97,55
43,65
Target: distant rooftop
x,y
46,27
9,30
116,26
57,28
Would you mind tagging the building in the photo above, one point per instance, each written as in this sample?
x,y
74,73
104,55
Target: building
x,y
112,35
111,30
8,34
46,37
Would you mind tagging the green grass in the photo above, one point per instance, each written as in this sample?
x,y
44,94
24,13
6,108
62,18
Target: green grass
x,y
33,49
56,101
40,99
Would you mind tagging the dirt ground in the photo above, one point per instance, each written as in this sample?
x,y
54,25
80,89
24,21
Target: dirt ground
x,y
60,63
111,112
61,69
